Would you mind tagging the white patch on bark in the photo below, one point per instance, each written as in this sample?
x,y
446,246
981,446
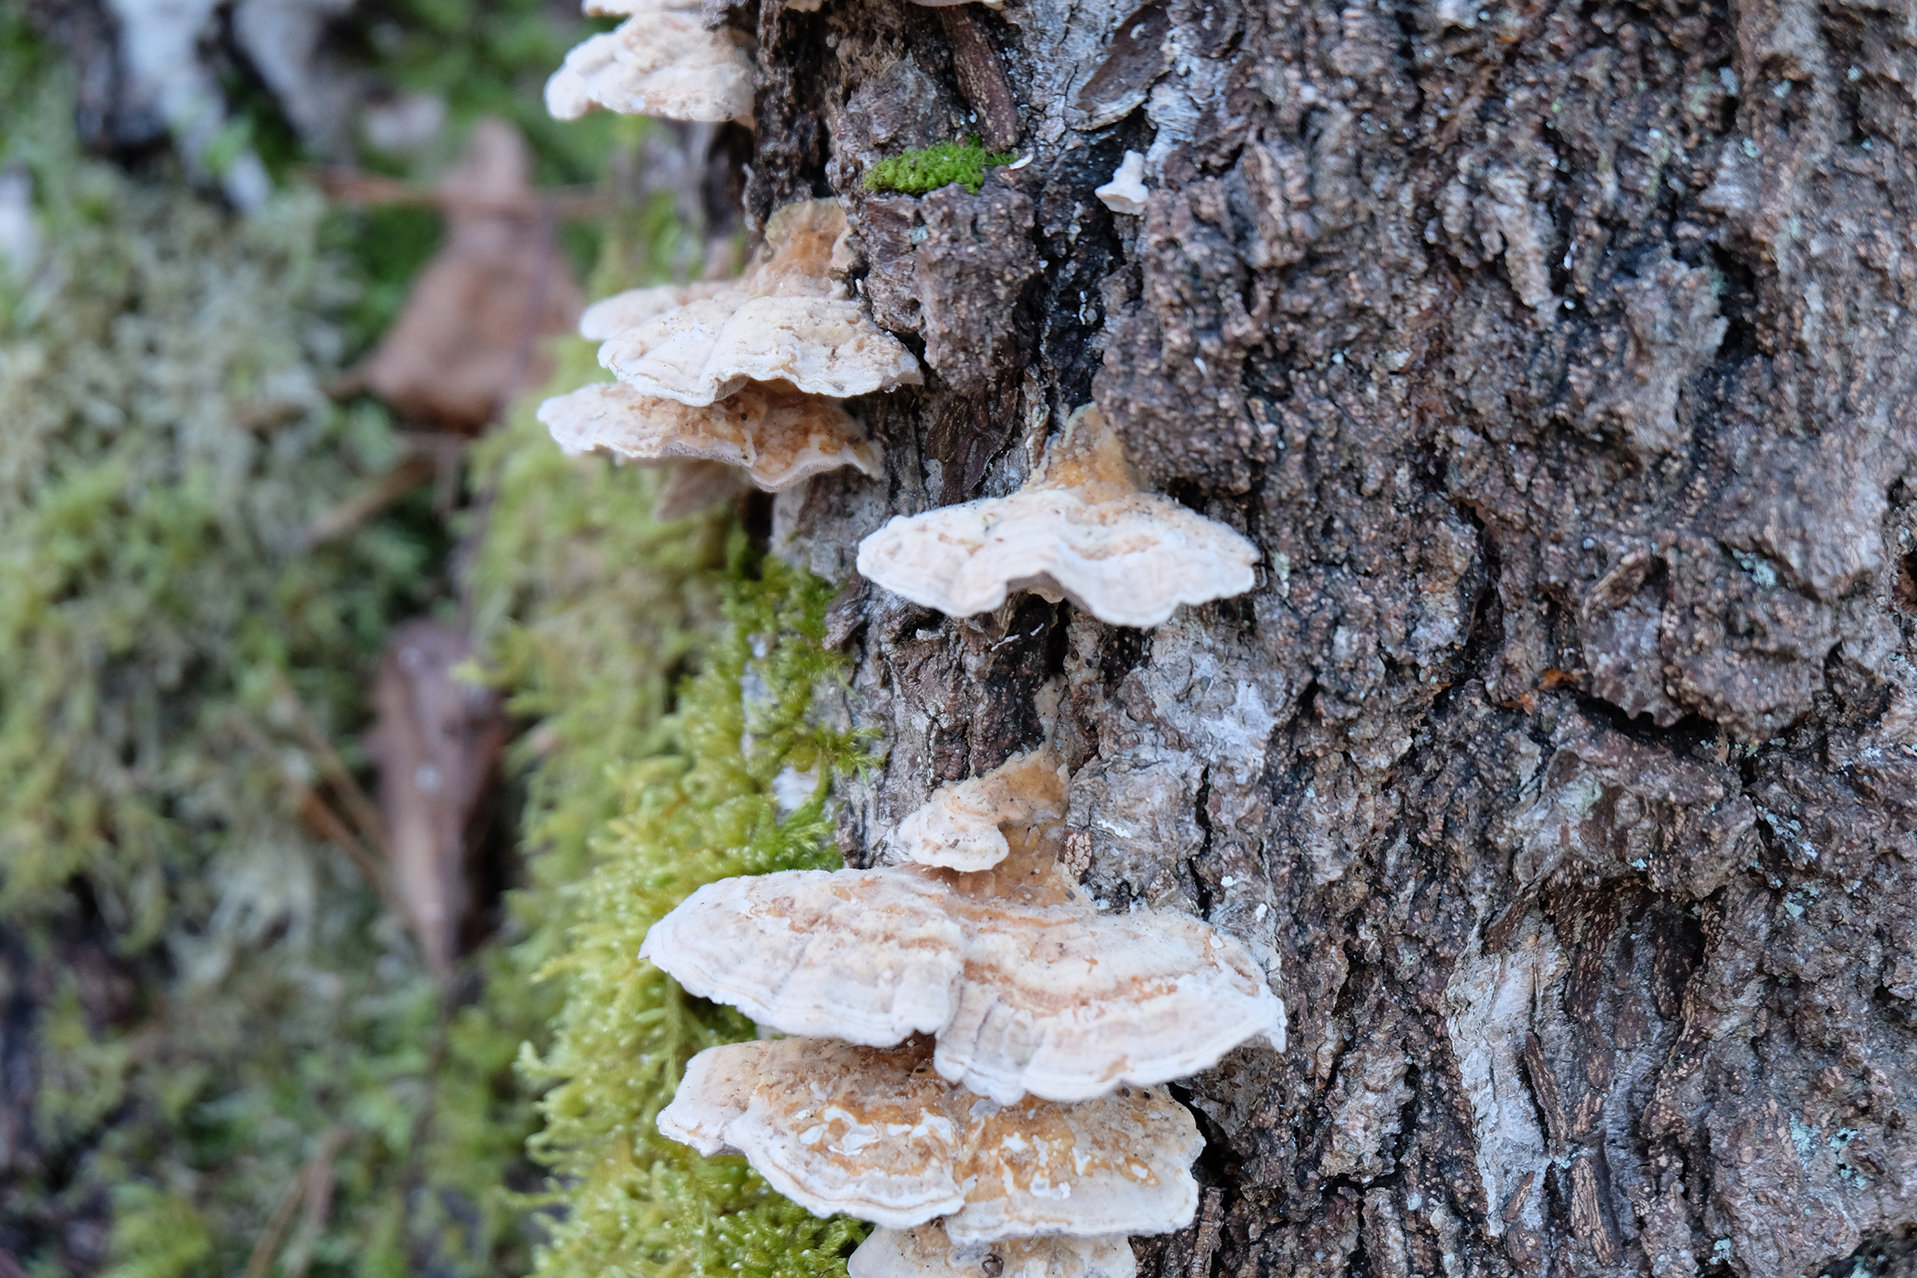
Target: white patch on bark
x,y
1489,1004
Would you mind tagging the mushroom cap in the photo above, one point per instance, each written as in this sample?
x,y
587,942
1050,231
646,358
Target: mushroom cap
x,y
777,435
1079,528
958,828
708,349
660,61
613,315
1128,562
1027,987
879,1135
1126,192
781,319
925,1251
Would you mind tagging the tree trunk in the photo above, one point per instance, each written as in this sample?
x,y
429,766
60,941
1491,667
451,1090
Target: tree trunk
x,y
1563,766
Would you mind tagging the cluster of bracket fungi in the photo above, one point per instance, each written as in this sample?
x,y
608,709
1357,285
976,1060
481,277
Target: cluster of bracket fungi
x,y
977,1051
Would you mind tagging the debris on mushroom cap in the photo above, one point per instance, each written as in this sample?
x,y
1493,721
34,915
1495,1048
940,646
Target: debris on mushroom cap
x,y
661,62
777,435
1126,192
1080,528
958,828
1026,985
611,315
926,1252
779,320
879,1135
794,260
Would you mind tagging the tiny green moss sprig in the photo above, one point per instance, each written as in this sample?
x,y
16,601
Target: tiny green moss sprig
x,y
917,172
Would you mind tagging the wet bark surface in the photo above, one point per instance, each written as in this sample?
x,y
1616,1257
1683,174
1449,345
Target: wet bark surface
x,y
1563,766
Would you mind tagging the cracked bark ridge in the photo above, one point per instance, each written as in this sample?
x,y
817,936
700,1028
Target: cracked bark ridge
x,y
1563,768
970,271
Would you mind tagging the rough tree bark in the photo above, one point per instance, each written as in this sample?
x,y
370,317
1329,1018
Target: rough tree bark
x,y
1563,766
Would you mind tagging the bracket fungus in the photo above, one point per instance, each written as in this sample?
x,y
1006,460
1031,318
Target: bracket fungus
x,y
1027,987
879,1135
1126,192
660,61
610,316
1080,528
732,373
927,1252
783,319
778,436
958,828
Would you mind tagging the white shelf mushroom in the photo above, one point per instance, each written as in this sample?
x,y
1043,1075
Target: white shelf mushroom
x,y
610,316
1028,988
778,436
660,61
879,1135
926,1252
958,828
1079,529
1126,192
783,319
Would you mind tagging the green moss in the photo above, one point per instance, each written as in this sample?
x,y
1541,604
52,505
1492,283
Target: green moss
x,y
156,1235
702,809
213,988
916,172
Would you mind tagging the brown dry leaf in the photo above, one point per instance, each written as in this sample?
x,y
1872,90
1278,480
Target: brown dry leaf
x,y
468,336
437,740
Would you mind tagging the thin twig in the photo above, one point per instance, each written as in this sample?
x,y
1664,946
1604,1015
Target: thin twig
x,y
301,1190
331,826
565,203
319,1199
357,509
359,806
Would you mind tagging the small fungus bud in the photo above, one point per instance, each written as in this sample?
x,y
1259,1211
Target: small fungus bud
x,y
958,828
1126,192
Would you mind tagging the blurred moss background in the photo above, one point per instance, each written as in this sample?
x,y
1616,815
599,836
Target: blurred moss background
x,y
220,1051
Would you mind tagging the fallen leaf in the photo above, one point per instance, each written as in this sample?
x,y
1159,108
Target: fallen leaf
x,y
468,337
437,740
